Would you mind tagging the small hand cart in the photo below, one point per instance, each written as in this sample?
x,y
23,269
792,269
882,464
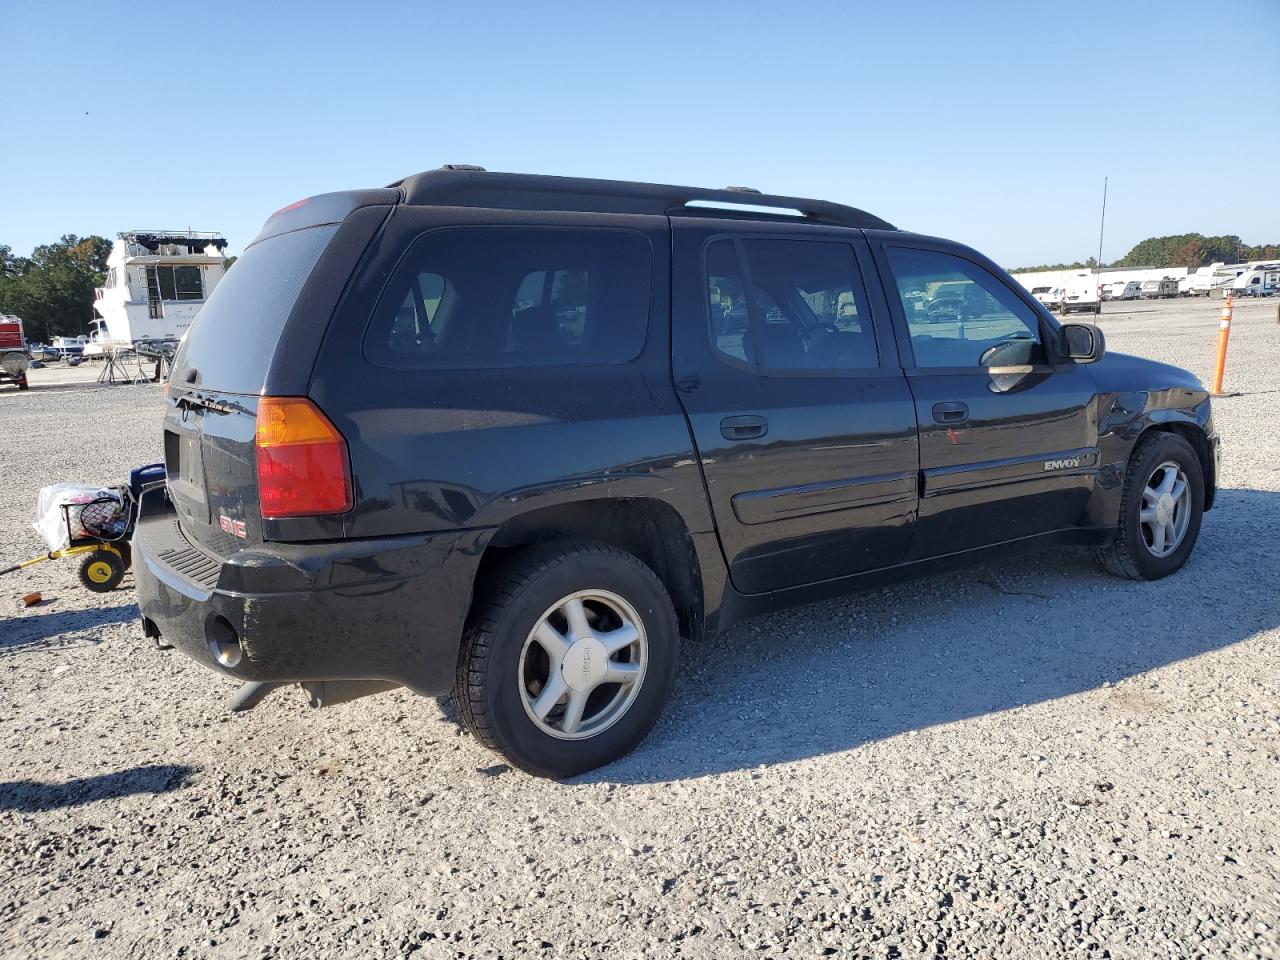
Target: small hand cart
x,y
98,529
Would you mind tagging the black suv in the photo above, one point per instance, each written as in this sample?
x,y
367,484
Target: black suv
x,y
512,437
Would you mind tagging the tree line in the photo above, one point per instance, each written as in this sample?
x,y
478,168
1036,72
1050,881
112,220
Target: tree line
x,y
52,290
1177,250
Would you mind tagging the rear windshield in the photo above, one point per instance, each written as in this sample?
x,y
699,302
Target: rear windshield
x,y
515,296
235,334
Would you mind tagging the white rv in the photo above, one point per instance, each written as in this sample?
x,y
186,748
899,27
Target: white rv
x,y
1224,276
1122,290
1262,280
157,281
1198,282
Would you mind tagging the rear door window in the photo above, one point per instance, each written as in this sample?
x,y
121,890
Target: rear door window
x,y
806,312
514,296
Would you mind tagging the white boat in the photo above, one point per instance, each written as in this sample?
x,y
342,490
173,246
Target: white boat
x,y
157,281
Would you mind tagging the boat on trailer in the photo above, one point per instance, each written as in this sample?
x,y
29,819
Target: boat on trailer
x,y
157,281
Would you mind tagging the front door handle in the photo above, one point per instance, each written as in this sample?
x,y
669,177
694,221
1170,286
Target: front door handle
x,y
953,411
744,427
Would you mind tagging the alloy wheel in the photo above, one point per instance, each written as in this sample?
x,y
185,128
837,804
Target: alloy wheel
x,y
582,664
1166,509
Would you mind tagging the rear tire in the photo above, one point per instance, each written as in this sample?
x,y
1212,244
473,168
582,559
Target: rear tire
x,y
556,622
1150,549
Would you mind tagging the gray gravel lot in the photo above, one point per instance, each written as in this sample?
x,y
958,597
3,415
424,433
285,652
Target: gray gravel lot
x,y
1029,759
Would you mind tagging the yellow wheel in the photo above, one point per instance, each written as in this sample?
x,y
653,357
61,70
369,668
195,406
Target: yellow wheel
x,y
102,571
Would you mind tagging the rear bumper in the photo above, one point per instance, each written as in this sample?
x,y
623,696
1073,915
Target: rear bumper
x,y
389,609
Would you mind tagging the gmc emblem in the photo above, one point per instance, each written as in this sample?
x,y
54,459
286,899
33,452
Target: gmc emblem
x,y
234,527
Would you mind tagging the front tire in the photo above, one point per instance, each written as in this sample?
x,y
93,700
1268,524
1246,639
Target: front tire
x,y
569,661
1160,510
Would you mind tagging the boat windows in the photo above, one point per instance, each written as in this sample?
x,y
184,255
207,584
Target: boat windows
x,y
175,283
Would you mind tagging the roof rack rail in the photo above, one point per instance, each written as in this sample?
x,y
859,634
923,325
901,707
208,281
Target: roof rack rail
x,y
461,186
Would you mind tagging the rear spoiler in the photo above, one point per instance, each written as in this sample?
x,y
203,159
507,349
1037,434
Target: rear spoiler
x,y
322,209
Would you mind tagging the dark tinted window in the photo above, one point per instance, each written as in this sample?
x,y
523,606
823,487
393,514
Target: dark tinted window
x,y
175,283
511,296
726,300
808,310
957,311
235,334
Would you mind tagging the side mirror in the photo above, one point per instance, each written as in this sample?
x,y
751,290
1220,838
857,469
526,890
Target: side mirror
x,y
1082,342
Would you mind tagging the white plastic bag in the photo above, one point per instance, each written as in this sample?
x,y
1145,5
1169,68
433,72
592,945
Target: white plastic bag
x,y
51,520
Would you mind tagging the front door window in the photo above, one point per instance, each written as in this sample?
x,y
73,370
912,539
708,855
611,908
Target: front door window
x,y
960,315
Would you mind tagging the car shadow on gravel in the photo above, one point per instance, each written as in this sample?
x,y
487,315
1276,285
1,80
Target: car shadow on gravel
x,y
837,675
58,628
31,796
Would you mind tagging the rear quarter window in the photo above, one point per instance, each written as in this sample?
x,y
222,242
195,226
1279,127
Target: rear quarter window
x,y
234,337
514,296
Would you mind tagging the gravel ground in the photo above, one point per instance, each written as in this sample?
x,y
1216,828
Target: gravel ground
x,y
1028,759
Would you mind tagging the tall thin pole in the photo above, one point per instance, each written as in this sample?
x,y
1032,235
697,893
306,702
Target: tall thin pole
x,y
1103,225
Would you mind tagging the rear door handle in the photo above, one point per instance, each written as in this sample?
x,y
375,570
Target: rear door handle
x,y
953,411
743,428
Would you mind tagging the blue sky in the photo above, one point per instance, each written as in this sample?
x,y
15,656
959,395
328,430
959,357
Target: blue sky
x,y
990,123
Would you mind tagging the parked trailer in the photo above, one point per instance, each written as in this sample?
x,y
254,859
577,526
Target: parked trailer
x,y
1261,281
1160,289
1122,290
13,352
1198,282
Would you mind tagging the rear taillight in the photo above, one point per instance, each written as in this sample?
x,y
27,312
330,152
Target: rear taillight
x,y
302,460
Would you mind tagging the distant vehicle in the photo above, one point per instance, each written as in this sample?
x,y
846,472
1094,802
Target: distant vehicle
x,y
1224,275
1198,282
954,301
45,353
1051,297
13,351
1081,294
1260,281
1159,289
1122,290
69,350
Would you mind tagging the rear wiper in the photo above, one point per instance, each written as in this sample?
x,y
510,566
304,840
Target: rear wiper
x,y
196,400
